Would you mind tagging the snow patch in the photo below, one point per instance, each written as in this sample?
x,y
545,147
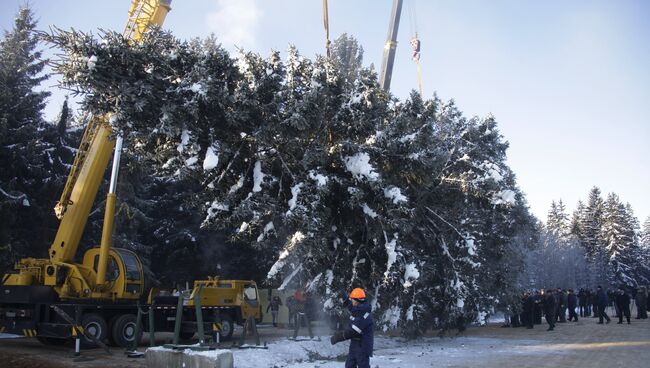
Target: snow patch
x,y
409,313
243,227
408,138
258,176
359,165
368,211
391,317
506,196
295,190
185,138
268,228
296,238
471,247
395,194
211,159
482,317
198,88
288,279
392,254
460,303
235,187
91,63
191,161
320,179
411,274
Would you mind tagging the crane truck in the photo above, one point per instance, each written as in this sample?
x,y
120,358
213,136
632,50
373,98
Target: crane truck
x,y
106,288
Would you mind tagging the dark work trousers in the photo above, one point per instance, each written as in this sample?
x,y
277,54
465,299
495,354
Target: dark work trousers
x,y
356,357
624,311
573,314
602,314
302,318
550,319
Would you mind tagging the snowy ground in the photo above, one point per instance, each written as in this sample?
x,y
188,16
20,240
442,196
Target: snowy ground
x,y
582,344
389,352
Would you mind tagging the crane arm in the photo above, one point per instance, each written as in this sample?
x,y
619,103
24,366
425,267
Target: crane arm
x,y
391,45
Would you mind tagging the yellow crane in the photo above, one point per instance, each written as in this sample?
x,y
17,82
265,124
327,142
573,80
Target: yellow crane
x,y
88,279
105,288
107,277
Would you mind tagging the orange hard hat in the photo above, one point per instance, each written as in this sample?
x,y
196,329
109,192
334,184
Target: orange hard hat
x,y
358,293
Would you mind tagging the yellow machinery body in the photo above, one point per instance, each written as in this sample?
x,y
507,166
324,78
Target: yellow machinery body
x,y
241,294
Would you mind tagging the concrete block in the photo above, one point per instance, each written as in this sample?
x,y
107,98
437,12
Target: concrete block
x,y
159,357
211,359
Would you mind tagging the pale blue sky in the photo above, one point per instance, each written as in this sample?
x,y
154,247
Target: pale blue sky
x,y
568,81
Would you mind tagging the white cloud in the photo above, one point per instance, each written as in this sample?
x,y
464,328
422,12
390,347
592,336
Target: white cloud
x,y
235,22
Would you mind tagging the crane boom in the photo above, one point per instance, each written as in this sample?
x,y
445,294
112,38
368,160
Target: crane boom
x,y
83,183
391,45
144,14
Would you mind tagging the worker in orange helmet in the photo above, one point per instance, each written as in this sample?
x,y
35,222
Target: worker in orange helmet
x,y
359,332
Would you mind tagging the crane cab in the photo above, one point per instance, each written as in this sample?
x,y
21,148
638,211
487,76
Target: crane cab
x,y
124,274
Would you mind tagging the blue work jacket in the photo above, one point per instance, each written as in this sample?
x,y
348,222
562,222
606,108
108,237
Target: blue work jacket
x,y
361,327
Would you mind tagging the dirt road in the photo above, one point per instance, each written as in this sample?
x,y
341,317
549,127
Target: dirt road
x,y
582,344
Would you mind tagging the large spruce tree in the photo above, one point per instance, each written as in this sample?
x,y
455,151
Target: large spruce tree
x,y
23,172
314,174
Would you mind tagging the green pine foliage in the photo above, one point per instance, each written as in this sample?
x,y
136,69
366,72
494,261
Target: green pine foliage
x,y
308,170
609,233
24,159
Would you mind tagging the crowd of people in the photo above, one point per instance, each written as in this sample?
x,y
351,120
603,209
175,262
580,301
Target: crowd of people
x,y
565,305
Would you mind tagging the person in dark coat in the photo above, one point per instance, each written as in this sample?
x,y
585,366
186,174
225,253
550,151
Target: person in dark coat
x,y
558,300
537,307
601,302
612,294
359,332
623,304
515,310
291,306
572,301
527,310
593,303
561,306
582,302
274,306
641,303
300,313
550,309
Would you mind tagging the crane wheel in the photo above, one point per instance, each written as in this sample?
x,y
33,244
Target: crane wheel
x,y
123,331
94,325
227,327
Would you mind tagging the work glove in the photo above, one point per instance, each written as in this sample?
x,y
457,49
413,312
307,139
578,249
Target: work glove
x,y
337,337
